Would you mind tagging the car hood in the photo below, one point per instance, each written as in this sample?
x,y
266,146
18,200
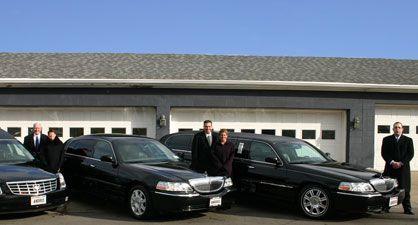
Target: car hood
x,y
22,173
339,171
173,171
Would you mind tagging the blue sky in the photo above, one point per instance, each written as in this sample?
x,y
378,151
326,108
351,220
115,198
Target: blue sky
x,y
324,28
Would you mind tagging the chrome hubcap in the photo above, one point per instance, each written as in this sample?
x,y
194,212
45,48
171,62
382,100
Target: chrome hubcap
x,y
138,202
315,202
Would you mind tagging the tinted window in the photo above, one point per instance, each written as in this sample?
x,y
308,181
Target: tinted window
x,y
181,142
242,148
248,131
15,131
81,147
266,131
58,130
102,148
139,131
11,152
289,133
260,151
308,134
76,131
118,130
383,129
328,134
97,130
405,129
299,152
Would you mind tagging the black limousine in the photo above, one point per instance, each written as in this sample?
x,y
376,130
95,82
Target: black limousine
x,y
294,170
23,186
141,172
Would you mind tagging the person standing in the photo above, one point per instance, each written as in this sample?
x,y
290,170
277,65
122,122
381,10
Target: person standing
x,y
35,141
398,151
53,153
203,159
224,151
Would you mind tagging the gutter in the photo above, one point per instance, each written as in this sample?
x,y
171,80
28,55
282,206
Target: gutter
x,y
205,84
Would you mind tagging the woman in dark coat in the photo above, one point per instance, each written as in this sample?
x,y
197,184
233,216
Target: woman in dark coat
x,y
224,151
53,153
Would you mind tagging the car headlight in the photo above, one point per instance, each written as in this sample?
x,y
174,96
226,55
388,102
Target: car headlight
x,y
173,186
355,187
396,184
1,192
228,182
63,185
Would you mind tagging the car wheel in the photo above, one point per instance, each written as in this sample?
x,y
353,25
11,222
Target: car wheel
x,y
139,203
314,201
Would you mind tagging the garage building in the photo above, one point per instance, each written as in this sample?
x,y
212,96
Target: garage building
x,y
344,106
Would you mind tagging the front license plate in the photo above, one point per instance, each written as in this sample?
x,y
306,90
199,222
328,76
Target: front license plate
x,y
216,201
393,201
38,200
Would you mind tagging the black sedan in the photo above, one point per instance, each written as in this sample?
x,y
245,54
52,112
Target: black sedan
x,y
293,170
24,187
142,172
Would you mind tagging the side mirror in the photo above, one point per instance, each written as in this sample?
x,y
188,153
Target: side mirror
x,y
328,154
107,158
274,160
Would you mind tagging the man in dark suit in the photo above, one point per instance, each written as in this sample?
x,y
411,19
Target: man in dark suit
x,y
35,141
397,151
203,157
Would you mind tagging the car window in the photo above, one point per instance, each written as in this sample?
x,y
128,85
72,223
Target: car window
x,y
181,142
242,148
102,148
300,152
260,151
12,151
81,147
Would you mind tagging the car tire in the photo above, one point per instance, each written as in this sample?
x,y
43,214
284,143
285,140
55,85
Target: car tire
x,y
315,202
139,203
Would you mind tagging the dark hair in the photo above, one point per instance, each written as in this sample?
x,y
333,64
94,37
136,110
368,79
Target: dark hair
x,y
52,131
207,121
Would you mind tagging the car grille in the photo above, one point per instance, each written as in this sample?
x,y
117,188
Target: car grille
x,y
33,187
207,184
384,185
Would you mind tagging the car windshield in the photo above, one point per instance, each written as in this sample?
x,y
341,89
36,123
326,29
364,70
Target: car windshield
x,y
138,150
12,152
295,152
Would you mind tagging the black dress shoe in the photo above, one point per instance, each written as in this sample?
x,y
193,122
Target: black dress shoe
x,y
409,213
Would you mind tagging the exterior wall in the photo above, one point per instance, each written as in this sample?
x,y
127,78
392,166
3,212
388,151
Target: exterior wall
x,y
360,142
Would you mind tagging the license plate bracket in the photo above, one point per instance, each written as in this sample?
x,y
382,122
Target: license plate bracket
x,y
38,200
393,201
215,201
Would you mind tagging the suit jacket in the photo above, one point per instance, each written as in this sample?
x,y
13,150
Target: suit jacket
x,y
203,158
398,151
30,145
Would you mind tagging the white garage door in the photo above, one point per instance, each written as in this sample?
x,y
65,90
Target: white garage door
x,y
325,129
385,117
71,122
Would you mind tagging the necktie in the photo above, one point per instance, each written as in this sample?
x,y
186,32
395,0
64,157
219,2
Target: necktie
x,y
209,140
37,142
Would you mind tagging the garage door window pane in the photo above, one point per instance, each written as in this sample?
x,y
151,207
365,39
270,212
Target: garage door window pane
x,y
15,131
308,134
76,131
58,130
266,131
328,134
118,130
139,131
248,131
289,133
30,130
230,130
383,129
185,129
97,130
405,129
416,129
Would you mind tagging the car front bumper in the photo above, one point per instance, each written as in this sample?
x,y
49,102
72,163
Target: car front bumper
x,y
169,202
357,202
10,203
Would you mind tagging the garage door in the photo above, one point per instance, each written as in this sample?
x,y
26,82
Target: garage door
x,y
72,122
385,117
325,129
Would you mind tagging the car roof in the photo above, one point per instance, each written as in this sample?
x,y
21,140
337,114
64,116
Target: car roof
x,y
110,137
5,135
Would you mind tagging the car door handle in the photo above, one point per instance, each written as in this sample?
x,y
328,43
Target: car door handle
x,y
250,167
92,166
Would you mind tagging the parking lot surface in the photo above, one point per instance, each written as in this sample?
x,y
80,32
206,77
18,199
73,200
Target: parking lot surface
x,y
91,210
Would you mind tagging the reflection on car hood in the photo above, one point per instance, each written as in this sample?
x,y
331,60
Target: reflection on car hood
x,y
169,170
22,173
339,171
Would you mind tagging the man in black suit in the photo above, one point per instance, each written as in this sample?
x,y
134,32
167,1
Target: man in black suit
x,y
35,141
203,157
397,151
